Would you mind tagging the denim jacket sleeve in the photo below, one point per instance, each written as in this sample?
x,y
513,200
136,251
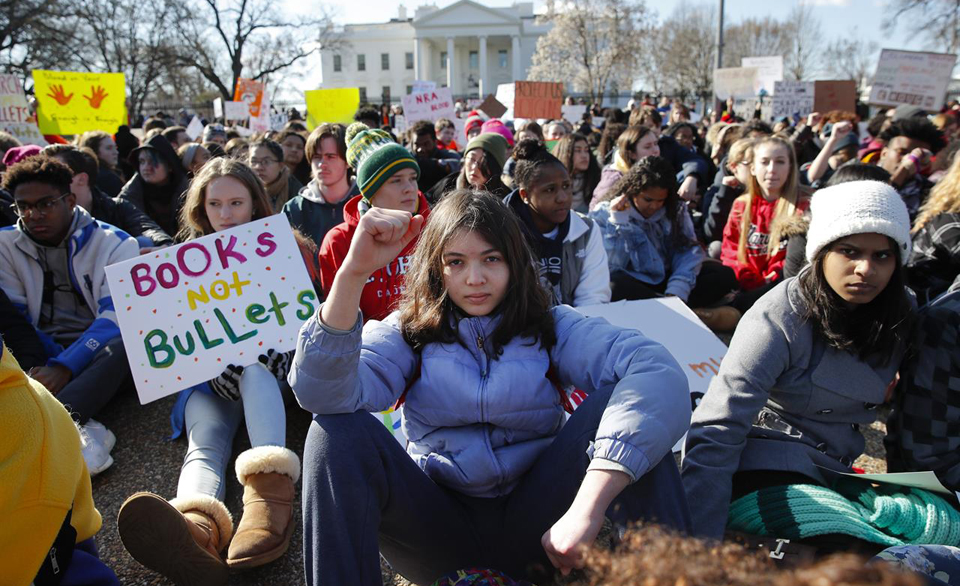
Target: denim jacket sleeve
x,y
686,262
649,410
619,237
364,369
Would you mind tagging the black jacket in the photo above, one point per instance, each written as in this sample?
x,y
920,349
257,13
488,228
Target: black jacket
x,y
128,217
109,182
935,261
20,336
161,203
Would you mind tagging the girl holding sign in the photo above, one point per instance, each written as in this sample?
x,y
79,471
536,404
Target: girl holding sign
x,y
492,475
809,363
182,539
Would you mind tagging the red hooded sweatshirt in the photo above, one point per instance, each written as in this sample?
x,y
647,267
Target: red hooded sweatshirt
x,y
382,291
752,274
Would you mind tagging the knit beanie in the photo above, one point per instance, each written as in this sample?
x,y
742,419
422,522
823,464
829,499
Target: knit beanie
x,y
472,122
375,157
187,154
492,143
857,207
497,126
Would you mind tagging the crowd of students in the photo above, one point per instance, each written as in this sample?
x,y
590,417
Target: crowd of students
x,y
451,268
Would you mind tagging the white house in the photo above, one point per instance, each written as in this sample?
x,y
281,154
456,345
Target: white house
x,y
466,46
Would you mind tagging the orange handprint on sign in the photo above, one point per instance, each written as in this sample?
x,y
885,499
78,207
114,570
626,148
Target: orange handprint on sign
x,y
57,93
96,97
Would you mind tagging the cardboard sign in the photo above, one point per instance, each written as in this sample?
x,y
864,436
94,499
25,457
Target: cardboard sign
x,y
195,128
15,116
187,311
792,97
538,99
75,102
769,71
913,78
236,111
835,95
737,82
573,114
429,105
336,106
261,122
250,93
492,107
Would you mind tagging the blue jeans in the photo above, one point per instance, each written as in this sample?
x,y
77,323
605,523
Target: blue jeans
x,y
212,422
363,495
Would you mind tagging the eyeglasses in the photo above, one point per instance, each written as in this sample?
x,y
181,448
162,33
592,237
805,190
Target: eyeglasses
x,y
262,162
43,206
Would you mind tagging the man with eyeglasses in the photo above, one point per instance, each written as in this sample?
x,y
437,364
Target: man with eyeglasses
x,y
52,269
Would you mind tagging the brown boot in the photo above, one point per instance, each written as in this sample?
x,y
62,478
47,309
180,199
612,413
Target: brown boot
x,y
268,474
719,319
180,539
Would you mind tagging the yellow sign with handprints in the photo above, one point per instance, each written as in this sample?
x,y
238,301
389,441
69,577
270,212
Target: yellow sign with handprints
x,y
335,105
74,102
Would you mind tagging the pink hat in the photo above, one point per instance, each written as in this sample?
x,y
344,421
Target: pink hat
x,y
17,154
495,125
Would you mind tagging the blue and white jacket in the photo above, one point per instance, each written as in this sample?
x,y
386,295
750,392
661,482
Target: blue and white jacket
x,y
92,246
477,424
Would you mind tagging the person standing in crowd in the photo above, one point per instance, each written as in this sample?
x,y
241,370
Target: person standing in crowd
x,y
434,163
635,143
266,160
116,212
809,363
177,136
387,177
502,481
319,206
908,145
568,246
183,539
52,268
158,187
294,145
483,162
753,242
109,177
446,134
215,133
574,152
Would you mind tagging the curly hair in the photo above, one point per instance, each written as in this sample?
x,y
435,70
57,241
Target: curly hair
x,y
38,169
650,172
915,128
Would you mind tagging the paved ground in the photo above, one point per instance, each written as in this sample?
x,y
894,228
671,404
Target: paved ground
x,y
144,460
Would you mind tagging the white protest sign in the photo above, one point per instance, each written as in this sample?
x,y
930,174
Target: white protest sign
x,y
913,78
15,115
421,86
428,105
278,120
187,311
573,114
261,123
236,111
792,97
737,82
769,71
195,128
506,94
218,108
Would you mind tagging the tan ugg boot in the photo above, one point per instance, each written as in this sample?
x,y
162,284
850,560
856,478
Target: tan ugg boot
x,y
268,474
180,539
719,319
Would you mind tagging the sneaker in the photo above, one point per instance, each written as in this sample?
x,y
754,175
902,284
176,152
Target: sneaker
x,y
99,432
95,455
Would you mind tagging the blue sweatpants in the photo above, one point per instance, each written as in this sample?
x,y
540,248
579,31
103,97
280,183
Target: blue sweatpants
x,y
363,495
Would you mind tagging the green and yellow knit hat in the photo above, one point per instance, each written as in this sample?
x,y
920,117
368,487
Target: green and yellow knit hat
x,y
376,157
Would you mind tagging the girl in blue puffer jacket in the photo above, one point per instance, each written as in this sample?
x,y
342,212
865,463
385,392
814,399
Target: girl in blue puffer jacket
x,y
492,476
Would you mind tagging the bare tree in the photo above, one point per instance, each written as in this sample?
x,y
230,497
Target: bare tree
x,y
227,39
755,37
803,58
29,35
593,44
684,51
935,20
850,57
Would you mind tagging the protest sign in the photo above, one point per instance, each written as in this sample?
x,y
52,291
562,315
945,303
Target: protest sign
x,y
792,97
429,105
15,116
261,122
251,93
840,94
421,86
235,111
769,71
492,107
538,99
505,95
737,82
913,78
187,311
195,128
573,114
74,102
336,106
218,108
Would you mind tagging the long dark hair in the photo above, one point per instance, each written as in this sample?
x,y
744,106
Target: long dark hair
x,y
878,328
564,151
426,312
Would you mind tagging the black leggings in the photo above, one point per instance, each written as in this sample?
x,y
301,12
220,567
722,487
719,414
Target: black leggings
x,y
713,283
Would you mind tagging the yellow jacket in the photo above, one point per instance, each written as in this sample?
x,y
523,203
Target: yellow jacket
x,y
43,474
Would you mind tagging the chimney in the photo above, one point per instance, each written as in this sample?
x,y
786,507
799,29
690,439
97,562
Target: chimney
x,y
402,12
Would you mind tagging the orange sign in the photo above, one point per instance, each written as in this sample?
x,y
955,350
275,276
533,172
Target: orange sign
x,y
251,93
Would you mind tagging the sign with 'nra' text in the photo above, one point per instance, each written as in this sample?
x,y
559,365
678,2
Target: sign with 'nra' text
x,y
429,105
187,311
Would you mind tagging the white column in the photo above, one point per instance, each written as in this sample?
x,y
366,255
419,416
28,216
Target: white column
x,y
483,66
515,49
450,60
417,59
